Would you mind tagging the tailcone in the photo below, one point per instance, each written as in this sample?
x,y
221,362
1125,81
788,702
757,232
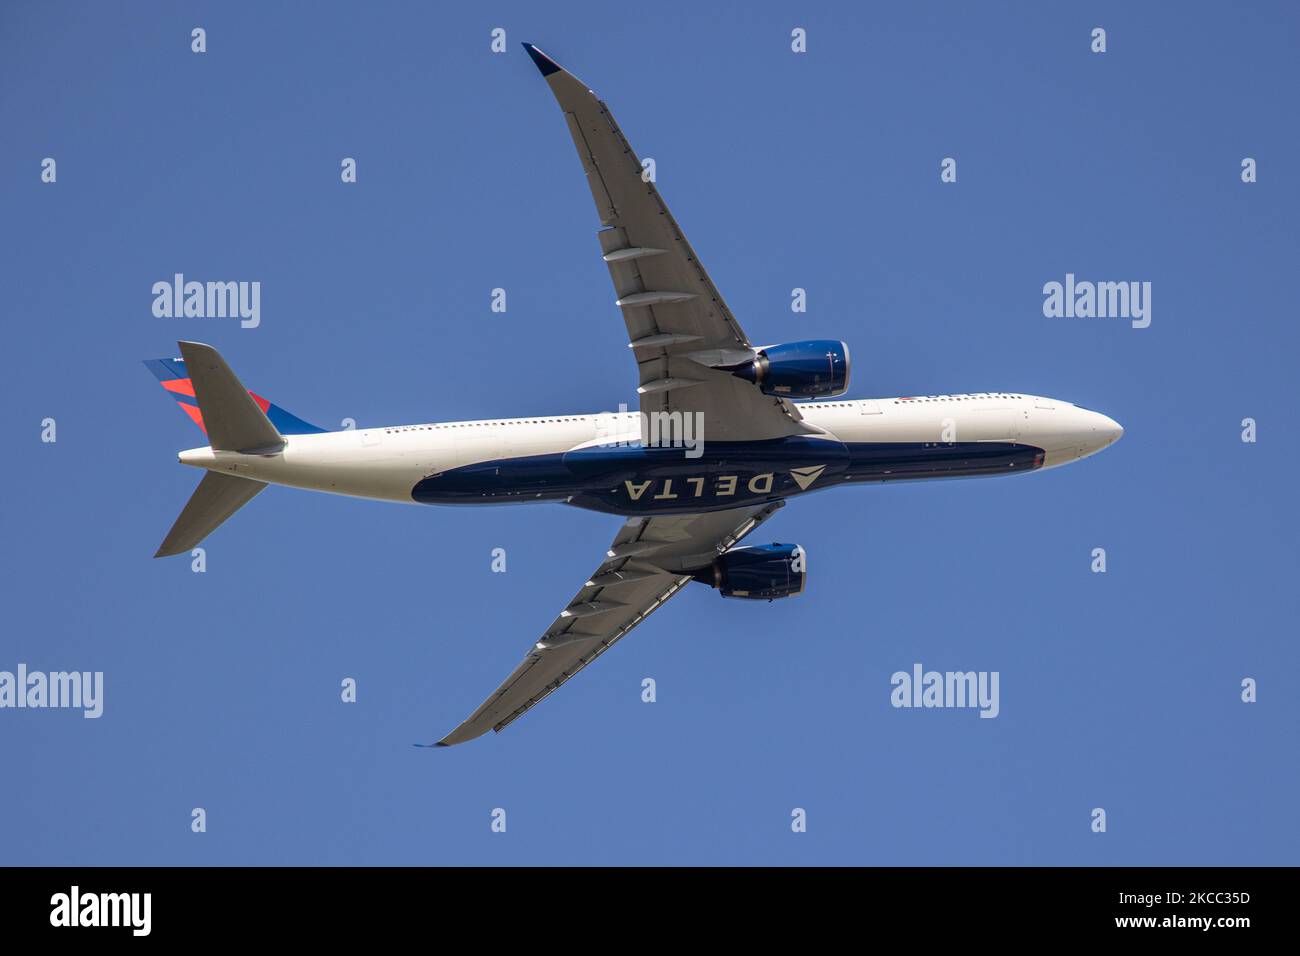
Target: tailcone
x,y
198,457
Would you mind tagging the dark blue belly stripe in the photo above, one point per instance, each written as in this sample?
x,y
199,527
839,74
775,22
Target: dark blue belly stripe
x,y
632,480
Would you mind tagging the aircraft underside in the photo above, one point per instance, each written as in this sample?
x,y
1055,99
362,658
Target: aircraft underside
x,y
752,425
632,480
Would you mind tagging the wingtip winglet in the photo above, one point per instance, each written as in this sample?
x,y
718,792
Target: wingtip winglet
x,y
544,62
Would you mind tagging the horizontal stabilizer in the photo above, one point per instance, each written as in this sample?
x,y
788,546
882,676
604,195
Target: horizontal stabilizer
x,y
217,497
233,420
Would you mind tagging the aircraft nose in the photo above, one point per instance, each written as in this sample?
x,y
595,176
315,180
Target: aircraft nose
x,y
1067,432
1105,430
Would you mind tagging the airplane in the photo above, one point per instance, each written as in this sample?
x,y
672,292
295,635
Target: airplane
x,y
727,432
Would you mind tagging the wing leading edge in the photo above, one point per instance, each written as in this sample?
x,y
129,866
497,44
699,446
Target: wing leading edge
x,y
650,560
678,325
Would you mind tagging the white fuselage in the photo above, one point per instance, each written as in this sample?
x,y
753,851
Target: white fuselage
x,y
386,463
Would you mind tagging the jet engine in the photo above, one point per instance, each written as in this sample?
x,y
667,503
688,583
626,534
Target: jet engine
x,y
818,368
765,572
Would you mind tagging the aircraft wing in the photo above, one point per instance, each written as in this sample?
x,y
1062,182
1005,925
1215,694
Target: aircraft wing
x,y
669,303
649,561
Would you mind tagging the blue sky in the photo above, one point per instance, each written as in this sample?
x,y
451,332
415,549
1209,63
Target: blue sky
x,y
821,171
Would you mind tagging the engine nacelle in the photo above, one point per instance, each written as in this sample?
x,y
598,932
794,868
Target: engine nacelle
x,y
762,573
818,368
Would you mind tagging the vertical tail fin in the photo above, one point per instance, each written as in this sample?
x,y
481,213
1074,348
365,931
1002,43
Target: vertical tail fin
x,y
234,419
175,378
